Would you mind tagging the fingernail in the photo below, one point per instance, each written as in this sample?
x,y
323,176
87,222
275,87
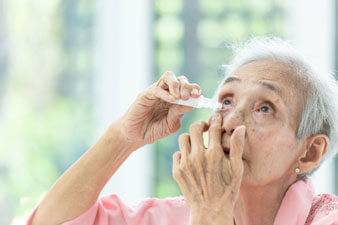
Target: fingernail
x,y
194,91
216,117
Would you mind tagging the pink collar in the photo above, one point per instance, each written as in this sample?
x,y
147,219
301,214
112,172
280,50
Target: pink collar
x,y
296,204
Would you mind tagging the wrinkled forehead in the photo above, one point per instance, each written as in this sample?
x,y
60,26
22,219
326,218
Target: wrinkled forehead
x,y
270,75
273,78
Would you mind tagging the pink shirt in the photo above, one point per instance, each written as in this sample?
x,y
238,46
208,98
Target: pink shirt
x,y
300,206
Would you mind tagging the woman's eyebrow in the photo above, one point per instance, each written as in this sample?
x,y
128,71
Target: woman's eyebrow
x,y
230,79
264,83
271,87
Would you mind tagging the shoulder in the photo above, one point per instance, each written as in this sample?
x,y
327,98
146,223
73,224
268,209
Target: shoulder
x,y
165,211
324,207
171,202
168,204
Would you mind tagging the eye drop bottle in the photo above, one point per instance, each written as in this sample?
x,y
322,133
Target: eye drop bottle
x,y
200,102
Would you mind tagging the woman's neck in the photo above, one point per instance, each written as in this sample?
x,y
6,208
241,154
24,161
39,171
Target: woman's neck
x,y
258,205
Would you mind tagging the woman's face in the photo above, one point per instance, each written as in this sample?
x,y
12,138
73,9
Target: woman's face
x,y
262,95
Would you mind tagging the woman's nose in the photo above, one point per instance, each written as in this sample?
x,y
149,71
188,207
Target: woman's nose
x,y
231,121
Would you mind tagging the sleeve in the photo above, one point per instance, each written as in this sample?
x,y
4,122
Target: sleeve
x,y
112,210
324,210
329,219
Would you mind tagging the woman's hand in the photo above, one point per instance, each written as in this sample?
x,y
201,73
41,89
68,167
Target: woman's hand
x,y
209,179
153,115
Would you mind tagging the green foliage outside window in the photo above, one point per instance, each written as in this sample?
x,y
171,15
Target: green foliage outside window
x,y
46,110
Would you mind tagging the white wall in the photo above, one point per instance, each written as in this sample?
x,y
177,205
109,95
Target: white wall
x,y
311,28
123,69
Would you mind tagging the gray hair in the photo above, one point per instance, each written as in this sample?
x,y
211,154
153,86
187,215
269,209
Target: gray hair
x,y
320,109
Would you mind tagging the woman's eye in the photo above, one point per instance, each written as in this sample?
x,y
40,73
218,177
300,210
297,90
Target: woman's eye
x,y
226,102
264,109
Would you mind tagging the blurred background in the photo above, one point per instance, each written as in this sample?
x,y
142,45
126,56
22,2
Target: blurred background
x,y
68,68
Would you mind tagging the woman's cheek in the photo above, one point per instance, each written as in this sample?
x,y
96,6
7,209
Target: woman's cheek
x,y
225,112
258,137
262,118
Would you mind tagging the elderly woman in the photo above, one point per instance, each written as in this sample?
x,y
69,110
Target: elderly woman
x,y
276,125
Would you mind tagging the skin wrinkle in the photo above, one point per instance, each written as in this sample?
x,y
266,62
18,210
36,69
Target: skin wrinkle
x,y
294,82
256,91
264,83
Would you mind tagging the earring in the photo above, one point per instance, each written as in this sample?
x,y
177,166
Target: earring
x,y
297,170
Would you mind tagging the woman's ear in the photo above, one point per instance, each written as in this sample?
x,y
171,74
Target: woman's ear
x,y
316,148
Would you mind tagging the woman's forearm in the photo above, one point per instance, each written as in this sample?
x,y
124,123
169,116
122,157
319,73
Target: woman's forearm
x,y
78,189
151,116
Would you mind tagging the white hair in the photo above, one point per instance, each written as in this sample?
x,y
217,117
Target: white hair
x,y
320,108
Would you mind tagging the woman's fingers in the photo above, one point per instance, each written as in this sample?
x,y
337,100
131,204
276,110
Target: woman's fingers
x,y
196,136
237,144
177,172
196,90
179,87
176,165
187,89
236,151
198,173
162,94
169,80
215,133
185,147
